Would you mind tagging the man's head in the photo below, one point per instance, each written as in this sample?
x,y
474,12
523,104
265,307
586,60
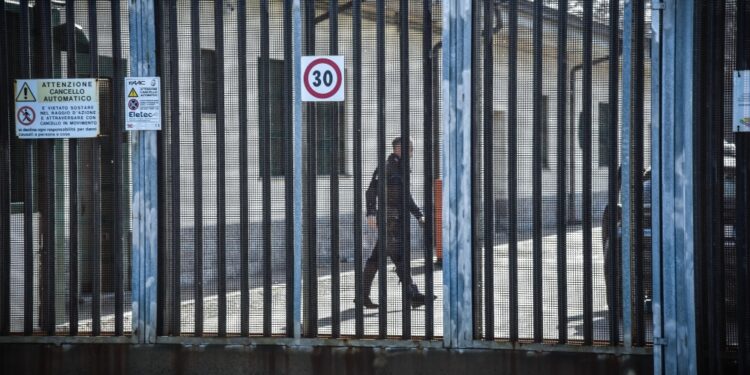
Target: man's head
x,y
397,146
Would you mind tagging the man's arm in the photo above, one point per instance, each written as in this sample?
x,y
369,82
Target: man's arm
x,y
414,209
371,195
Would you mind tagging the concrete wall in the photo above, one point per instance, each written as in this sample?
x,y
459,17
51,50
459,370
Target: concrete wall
x,y
300,360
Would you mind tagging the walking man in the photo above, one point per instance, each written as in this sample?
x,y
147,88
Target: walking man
x,y
394,225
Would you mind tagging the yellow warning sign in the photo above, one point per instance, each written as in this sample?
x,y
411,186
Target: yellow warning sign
x,y
132,93
25,94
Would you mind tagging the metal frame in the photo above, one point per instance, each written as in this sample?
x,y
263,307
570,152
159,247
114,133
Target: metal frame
x,y
457,276
145,192
457,253
674,164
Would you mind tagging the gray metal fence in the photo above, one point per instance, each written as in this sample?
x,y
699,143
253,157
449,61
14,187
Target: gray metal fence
x,y
264,203
64,205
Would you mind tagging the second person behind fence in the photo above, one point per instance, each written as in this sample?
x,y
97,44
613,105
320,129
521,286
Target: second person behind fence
x,y
394,246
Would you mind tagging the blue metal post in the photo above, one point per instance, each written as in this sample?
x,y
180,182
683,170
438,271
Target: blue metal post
x,y
457,278
656,181
684,203
144,169
678,355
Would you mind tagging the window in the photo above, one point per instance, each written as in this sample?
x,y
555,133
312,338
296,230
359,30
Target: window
x,y
603,134
545,132
324,114
276,102
208,81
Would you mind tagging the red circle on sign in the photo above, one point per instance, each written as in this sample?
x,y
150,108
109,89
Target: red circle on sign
x,y
335,88
26,115
133,104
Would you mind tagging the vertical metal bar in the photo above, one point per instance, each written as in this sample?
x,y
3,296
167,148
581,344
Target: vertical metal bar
x,y
457,267
626,238
28,221
405,157
289,187
5,178
382,240
243,151
475,175
613,187
588,290
382,232
475,170
221,217
562,244
429,206
710,77
489,195
333,40
312,189
359,329
743,203
145,171
72,181
162,142
174,67
656,178
265,146
195,28
667,186
513,169
96,247
684,215
137,250
298,151
118,72
537,171
639,37
47,290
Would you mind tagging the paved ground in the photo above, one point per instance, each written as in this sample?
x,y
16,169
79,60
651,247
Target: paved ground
x,y
575,307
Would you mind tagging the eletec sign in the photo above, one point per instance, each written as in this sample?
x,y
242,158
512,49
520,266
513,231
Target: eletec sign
x,y
322,78
142,103
56,108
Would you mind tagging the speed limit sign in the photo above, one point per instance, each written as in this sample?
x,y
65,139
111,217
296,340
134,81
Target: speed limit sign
x,y
323,78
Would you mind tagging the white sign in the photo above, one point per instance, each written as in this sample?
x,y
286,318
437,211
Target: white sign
x,y
57,108
322,78
142,103
741,100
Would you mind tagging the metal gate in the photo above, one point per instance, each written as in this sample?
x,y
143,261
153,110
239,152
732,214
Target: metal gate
x,y
65,234
274,216
548,100
228,172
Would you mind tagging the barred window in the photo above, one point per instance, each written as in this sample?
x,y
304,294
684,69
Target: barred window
x,y
324,114
208,81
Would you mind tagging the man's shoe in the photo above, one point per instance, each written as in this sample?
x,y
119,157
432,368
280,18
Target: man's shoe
x,y
419,300
367,303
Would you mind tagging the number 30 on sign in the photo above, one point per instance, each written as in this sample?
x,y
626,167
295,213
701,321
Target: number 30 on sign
x,y
323,79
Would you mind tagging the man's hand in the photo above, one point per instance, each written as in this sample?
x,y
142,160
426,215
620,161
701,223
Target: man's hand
x,y
421,221
372,221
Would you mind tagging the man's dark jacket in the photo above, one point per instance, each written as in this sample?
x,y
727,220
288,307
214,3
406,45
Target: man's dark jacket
x,y
394,184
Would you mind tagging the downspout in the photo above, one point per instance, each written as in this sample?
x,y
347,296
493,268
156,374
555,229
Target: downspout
x,y
572,140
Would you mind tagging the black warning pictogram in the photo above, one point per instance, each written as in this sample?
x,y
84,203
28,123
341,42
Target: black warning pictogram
x,y
25,94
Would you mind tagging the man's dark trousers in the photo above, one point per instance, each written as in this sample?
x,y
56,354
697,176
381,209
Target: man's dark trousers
x,y
394,250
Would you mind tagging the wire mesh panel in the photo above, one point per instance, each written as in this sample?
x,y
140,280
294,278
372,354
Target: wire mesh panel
x,y
722,258
546,153
369,248
65,202
226,168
